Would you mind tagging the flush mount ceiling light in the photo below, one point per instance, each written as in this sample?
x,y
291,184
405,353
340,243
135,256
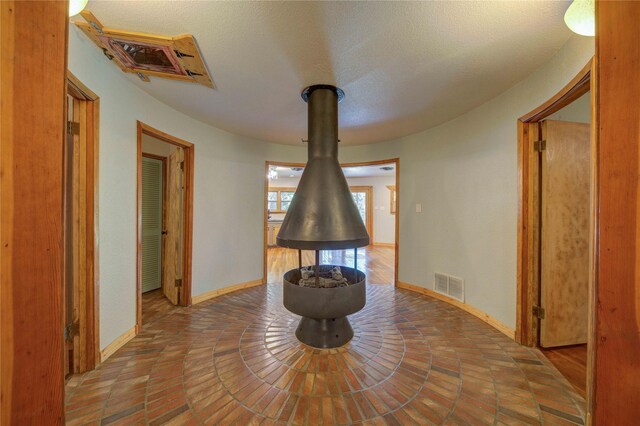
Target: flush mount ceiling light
x,y
76,6
580,17
273,174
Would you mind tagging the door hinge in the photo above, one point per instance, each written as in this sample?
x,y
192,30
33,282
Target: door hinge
x,y
71,330
178,282
538,312
540,146
73,127
182,166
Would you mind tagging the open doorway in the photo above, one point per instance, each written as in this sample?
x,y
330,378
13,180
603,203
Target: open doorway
x,y
165,206
81,317
373,186
564,239
556,237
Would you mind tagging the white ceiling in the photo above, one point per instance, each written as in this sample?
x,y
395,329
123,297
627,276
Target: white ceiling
x,y
361,171
404,66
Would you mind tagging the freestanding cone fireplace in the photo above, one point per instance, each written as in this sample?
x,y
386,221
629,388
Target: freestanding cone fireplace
x,y
323,216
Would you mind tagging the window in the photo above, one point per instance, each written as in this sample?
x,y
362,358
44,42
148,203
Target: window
x,y
360,198
279,199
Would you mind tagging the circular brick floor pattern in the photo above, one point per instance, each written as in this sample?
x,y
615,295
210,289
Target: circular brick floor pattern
x,y
235,360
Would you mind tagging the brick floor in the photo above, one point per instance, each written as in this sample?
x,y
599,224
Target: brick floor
x,y
235,360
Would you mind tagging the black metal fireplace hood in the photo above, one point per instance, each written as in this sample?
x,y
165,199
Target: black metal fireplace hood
x,y
322,214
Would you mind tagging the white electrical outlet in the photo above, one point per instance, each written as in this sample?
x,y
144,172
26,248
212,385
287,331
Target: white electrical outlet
x,y
418,208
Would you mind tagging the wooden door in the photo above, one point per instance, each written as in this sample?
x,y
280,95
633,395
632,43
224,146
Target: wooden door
x,y
565,204
70,181
152,199
172,276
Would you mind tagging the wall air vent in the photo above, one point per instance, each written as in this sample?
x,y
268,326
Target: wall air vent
x,y
442,283
449,285
456,288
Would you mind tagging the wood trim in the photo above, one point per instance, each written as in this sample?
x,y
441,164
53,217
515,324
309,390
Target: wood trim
x,y
187,235
120,341
226,290
593,254
395,161
78,90
86,111
384,244
154,156
578,86
32,132
392,193
528,215
483,316
616,340
279,189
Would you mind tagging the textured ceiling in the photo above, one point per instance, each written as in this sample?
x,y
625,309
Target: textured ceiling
x,y
404,66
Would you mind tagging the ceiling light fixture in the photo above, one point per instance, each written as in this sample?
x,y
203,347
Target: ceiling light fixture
x,y
580,17
76,6
273,174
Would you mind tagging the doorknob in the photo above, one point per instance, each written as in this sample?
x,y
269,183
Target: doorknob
x,y
164,232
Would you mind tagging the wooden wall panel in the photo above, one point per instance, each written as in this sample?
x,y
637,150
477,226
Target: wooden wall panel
x,y
32,89
616,374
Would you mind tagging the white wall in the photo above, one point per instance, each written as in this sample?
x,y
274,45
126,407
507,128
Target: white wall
x,y
228,189
464,173
151,145
578,111
384,225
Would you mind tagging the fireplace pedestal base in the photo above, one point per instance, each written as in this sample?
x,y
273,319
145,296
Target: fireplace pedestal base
x,y
324,311
324,333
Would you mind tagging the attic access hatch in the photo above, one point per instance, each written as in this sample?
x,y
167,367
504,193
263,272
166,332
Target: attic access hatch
x,y
176,58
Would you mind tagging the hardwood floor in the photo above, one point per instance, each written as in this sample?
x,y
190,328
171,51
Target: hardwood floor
x,y
377,262
571,361
235,360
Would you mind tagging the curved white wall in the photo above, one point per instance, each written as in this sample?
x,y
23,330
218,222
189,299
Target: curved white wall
x,y
462,172
228,189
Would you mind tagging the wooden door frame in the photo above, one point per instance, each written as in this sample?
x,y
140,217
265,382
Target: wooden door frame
x,y
87,112
395,161
187,229
528,211
32,133
528,248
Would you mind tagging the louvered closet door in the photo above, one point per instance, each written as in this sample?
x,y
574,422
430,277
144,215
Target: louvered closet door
x,y
151,224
